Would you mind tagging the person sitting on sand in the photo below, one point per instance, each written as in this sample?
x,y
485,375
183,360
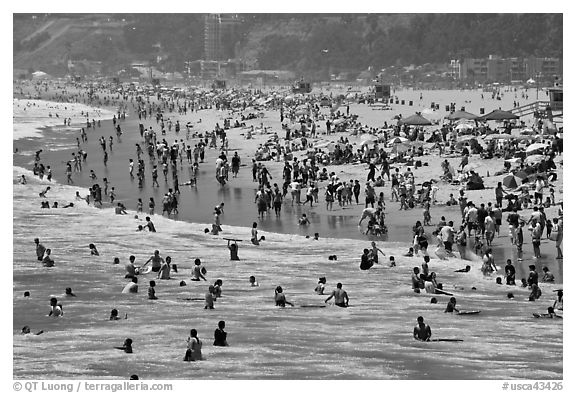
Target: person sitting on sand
x,y
69,292
55,308
451,306
253,282
131,287
321,285
220,336
127,347
194,347
93,250
280,298
198,271
422,332
340,296
410,252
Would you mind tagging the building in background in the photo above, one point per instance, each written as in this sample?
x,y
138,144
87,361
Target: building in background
x,y
507,70
219,34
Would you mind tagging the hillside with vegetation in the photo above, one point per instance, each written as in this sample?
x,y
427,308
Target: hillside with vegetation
x,y
309,44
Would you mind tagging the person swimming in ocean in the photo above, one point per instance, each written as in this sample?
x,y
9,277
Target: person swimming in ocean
x,y
198,271
127,347
280,298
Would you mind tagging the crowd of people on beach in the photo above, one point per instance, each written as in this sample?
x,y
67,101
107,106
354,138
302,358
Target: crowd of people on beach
x,y
474,230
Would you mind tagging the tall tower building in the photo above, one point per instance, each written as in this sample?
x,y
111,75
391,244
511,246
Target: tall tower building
x,y
219,36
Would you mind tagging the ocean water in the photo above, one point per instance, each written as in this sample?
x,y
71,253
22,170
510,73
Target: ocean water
x,y
504,341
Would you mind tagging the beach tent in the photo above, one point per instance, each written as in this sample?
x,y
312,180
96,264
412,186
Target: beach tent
x,y
461,115
416,120
498,114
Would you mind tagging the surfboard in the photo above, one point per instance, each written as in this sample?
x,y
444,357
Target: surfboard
x,y
441,292
447,339
234,240
144,270
193,299
313,305
469,312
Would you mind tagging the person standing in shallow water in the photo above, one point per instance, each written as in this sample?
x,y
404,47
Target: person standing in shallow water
x,y
220,336
422,332
194,350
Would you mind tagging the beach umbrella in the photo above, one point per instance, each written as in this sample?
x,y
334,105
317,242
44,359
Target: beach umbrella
x,y
498,114
515,160
511,181
535,158
397,139
521,174
339,121
416,120
528,131
464,126
400,147
461,115
498,136
525,138
369,137
536,146
368,142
